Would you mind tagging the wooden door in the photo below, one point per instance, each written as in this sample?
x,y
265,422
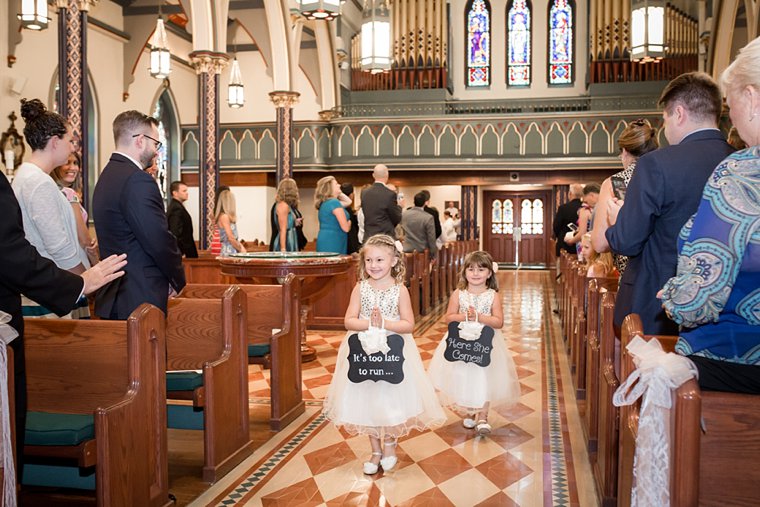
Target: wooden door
x,y
516,226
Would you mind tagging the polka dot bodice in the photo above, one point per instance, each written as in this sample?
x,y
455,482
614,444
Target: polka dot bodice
x,y
386,300
482,302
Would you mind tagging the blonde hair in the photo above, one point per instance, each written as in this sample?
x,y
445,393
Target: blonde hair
x,y
398,272
598,260
225,203
287,192
323,191
744,70
480,259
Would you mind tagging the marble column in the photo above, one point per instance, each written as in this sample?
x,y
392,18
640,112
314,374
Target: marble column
x,y
208,65
72,76
469,212
283,103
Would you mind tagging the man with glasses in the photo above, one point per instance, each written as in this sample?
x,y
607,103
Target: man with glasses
x,y
129,217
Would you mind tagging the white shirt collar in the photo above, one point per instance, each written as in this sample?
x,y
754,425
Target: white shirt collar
x,y
130,158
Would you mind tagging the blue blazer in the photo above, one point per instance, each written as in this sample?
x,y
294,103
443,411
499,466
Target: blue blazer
x,y
663,194
129,218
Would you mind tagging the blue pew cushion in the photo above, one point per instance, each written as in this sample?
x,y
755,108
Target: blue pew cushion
x,y
259,350
47,428
183,380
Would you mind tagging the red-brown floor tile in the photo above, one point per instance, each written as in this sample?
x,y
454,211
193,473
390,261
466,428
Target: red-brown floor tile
x,y
500,499
510,436
372,497
433,497
322,380
504,470
330,457
516,411
302,494
454,434
444,465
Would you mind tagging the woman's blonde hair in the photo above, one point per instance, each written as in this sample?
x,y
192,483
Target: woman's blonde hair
x,y
398,272
287,192
323,191
600,260
744,70
225,203
638,138
480,259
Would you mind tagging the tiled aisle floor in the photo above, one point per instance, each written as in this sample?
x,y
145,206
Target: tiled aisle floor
x,y
534,457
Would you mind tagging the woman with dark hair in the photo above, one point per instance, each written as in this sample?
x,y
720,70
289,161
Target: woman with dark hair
x,y
49,224
638,138
67,177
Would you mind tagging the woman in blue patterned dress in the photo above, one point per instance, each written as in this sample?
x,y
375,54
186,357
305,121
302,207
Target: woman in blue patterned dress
x,y
333,218
715,295
226,222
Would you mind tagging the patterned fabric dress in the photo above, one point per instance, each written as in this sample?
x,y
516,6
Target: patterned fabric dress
x,y
377,407
227,248
621,261
466,387
715,295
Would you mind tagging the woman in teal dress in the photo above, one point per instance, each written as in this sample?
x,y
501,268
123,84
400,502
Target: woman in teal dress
x,y
333,218
284,220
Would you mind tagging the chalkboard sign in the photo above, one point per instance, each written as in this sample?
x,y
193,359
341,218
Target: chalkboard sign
x,y
469,351
378,366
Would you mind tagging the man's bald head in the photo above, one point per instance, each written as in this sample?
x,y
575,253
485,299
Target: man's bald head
x,y
576,191
380,173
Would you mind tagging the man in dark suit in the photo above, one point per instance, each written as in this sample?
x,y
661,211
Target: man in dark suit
x,y
24,271
129,217
567,214
663,194
180,223
381,210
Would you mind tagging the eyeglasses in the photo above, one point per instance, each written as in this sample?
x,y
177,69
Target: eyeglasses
x,y
158,143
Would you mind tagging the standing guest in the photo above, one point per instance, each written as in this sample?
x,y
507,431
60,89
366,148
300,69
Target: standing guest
x,y
347,189
129,217
735,140
664,192
449,230
638,138
419,231
715,292
49,223
180,223
67,179
226,221
585,215
567,214
434,213
379,205
334,222
285,218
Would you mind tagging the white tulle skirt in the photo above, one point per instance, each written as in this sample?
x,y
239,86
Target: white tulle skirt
x,y
466,387
381,408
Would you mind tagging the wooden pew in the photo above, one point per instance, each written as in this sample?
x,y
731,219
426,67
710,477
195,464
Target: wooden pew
x,y
413,283
578,331
715,439
210,335
272,307
605,464
204,269
113,372
422,268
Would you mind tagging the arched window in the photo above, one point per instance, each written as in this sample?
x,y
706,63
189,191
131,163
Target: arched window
x,y
561,41
502,217
478,43
518,42
168,171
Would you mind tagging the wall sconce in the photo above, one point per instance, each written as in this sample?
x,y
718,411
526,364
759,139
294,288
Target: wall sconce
x,y
12,147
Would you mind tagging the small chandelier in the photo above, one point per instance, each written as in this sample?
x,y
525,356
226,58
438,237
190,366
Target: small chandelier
x,y
34,14
647,30
376,37
319,9
160,56
235,90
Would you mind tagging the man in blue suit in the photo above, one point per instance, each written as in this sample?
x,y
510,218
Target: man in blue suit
x,y
129,217
663,194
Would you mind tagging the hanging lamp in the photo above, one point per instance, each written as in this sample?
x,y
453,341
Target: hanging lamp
x,y
235,90
319,9
160,55
34,14
376,37
647,30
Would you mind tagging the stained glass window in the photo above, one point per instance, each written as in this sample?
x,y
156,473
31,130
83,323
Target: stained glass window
x,y
560,42
518,43
478,43
502,217
532,216
162,159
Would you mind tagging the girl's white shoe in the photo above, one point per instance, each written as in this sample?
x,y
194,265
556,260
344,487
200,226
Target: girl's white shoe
x,y
371,468
469,423
389,462
483,428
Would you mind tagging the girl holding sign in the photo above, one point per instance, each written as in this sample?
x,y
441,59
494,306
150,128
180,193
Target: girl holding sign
x,y
471,368
379,387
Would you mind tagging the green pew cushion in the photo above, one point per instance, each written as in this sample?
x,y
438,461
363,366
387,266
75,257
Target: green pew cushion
x,y
56,476
183,380
258,350
46,428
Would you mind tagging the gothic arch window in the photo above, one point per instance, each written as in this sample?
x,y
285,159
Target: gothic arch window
x,y
168,134
478,29
518,42
561,41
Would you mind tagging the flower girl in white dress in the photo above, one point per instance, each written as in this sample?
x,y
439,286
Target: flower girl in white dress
x,y
379,387
471,367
